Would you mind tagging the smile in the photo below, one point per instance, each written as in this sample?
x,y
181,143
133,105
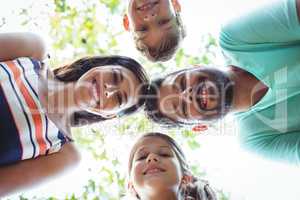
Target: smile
x,y
153,170
203,96
95,91
147,6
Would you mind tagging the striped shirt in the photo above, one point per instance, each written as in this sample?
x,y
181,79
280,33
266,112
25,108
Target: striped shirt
x,y
25,130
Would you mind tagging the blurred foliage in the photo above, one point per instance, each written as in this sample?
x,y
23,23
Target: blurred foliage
x,y
79,28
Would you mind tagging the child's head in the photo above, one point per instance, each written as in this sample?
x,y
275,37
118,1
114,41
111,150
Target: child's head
x,y
156,27
158,168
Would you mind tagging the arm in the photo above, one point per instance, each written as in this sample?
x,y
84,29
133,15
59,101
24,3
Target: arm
x,y
30,172
15,45
272,24
276,146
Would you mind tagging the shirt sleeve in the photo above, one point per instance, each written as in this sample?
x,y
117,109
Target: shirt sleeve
x,y
275,146
264,41
272,24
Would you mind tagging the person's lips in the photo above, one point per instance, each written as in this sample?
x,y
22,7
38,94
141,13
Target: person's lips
x,y
202,96
148,5
153,169
95,91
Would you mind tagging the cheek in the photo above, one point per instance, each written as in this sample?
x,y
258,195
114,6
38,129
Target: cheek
x,y
136,173
175,172
167,8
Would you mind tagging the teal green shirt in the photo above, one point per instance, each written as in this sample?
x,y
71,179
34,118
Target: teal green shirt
x,y
266,43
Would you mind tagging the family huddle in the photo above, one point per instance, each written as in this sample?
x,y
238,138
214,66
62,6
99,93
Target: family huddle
x,y
260,86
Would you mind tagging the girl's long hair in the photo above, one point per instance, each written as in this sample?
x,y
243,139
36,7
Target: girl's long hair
x,y
72,72
197,189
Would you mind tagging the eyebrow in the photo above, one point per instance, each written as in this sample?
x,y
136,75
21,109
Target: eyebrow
x,y
143,148
182,82
184,109
121,75
125,96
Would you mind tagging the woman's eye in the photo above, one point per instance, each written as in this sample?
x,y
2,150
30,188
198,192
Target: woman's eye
x,y
142,29
141,158
165,155
164,21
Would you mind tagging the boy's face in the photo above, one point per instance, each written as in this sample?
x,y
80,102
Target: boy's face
x,y
151,20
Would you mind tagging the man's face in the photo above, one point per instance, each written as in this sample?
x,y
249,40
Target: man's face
x,y
196,94
152,20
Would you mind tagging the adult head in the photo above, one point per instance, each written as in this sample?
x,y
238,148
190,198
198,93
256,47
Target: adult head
x,y
105,87
190,96
158,168
156,26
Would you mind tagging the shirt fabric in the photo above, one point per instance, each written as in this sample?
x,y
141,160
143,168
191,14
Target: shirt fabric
x,y
25,130
266,43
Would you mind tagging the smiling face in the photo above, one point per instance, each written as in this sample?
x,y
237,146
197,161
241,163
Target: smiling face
x,y
155,167
195,94
151,21
107,90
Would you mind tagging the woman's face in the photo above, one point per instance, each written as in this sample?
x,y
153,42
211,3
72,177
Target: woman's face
x,y
155,167
107,90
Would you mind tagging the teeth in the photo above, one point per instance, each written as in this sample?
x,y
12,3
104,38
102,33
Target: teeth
x,y
204,96
152,171
95,92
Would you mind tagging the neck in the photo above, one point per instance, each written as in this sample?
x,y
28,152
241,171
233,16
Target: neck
x,y
247,91
58,96
61,98
161,195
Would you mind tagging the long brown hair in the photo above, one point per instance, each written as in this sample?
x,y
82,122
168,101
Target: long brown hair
x,y
197,189
75,70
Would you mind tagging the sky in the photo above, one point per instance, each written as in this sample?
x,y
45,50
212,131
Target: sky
x,y
243,175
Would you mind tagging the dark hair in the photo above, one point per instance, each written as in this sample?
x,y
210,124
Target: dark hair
x,y
75,70
197,189
168,45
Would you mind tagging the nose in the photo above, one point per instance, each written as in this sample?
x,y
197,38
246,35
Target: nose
x,y
187,94
152,158
110,90
150,16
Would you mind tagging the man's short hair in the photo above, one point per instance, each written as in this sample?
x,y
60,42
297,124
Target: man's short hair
x,y
168,46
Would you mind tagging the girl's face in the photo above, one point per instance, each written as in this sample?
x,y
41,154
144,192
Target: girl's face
x,y
155,167
107,90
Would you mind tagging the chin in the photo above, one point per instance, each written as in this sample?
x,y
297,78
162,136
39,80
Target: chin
x,y
159,183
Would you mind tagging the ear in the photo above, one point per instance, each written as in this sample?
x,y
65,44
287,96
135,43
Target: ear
x,y
176,5
126,22
200,128
131,189
186,179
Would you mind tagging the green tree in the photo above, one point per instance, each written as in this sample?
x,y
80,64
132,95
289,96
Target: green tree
x,y
86,29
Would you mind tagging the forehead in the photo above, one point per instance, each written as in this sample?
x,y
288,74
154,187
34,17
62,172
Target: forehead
x,y
193,71
109,69
157,38
133,4
151,142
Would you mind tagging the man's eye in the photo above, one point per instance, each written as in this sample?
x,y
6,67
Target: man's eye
x,y
183,83
119,98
